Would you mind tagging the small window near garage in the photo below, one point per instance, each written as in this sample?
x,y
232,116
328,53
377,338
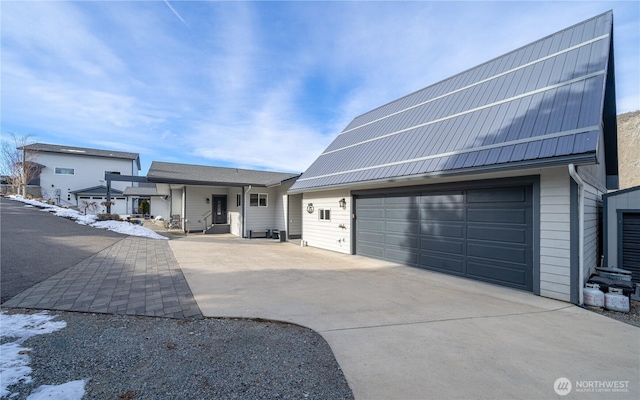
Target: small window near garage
x,y
112,172
85,197
324,215
258,200
96,198
238,200
65,171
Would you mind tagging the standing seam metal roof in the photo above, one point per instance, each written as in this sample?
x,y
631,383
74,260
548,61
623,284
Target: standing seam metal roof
x,y
163,172
541,101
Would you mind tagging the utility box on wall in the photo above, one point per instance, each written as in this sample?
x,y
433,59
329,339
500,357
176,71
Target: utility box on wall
x,y
622,230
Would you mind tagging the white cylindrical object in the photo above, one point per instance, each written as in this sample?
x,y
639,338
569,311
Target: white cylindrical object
x,y
616,301
593,296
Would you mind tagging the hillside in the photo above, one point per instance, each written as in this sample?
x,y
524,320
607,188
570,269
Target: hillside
x,y
629,149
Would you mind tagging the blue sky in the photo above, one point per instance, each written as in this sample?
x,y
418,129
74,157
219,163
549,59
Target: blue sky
x,y
265,85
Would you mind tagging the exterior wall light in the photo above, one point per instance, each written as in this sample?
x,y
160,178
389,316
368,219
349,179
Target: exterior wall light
x,y
343,203
207,200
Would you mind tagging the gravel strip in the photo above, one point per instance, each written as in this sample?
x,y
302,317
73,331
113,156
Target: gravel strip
x,y
129,357
631,318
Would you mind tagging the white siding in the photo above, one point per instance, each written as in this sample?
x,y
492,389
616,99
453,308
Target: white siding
x,y
555,228
327,234
88,172
295,215
259,218
235,211
198,210
161,206
592,217
176,202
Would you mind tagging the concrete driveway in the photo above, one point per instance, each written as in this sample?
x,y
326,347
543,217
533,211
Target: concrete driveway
x,y
404,333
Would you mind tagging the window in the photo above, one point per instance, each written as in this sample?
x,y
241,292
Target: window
x,y
238,199
258,200
325,215
112,172
65,171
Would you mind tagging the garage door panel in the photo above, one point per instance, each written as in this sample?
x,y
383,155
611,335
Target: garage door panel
x,y
371,236
497,216
497,273
367,249
442,230
447,199
438,262
371,225
442,214
450,246
409,227
493,252
630,252
369,213
497,234
402,214
402,255
497,195
370,201
484,234
410,241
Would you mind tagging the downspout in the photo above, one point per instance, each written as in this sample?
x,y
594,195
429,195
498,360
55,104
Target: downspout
x,y
244,209
580,182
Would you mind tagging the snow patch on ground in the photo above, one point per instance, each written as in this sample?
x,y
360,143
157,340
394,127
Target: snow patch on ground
x,y
91,220
14,363
67,391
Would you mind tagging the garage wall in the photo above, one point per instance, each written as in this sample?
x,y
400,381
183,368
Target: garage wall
x,y
555,228
592,218
327,234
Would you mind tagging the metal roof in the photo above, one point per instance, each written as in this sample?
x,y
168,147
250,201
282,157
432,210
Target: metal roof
x,y
96,191
542,103
163,172
144,191
81,151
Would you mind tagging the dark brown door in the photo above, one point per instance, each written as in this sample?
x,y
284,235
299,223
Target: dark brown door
x,y
219,209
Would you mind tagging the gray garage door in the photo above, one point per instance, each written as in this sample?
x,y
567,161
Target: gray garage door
x,y
484,234
631,244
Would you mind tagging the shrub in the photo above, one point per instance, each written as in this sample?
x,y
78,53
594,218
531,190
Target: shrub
x,y
108,217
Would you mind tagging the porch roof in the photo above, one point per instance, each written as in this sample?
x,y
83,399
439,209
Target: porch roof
x,y
162,172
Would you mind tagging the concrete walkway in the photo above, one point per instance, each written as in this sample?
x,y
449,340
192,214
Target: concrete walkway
x,y
405,333
135,276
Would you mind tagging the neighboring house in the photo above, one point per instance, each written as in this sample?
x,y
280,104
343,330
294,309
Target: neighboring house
x,y
494,174
216,199
71,176
622,230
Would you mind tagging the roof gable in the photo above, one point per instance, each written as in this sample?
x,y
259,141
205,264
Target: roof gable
x,y
540,104
82,151
163,172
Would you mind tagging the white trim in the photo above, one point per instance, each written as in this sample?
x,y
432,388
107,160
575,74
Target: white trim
x,y
457,152
544,89
484,80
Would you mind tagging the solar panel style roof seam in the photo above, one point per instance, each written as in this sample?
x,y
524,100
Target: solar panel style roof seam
x,y
541,90
538,105
479,82
460,152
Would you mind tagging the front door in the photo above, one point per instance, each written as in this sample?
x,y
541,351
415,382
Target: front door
x,y
219,209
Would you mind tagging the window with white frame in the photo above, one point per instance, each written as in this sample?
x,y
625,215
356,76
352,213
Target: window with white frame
x,y
65,171
258,200
238,199
324,214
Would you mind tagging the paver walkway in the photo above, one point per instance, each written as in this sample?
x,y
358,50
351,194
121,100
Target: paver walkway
x,y
136,276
